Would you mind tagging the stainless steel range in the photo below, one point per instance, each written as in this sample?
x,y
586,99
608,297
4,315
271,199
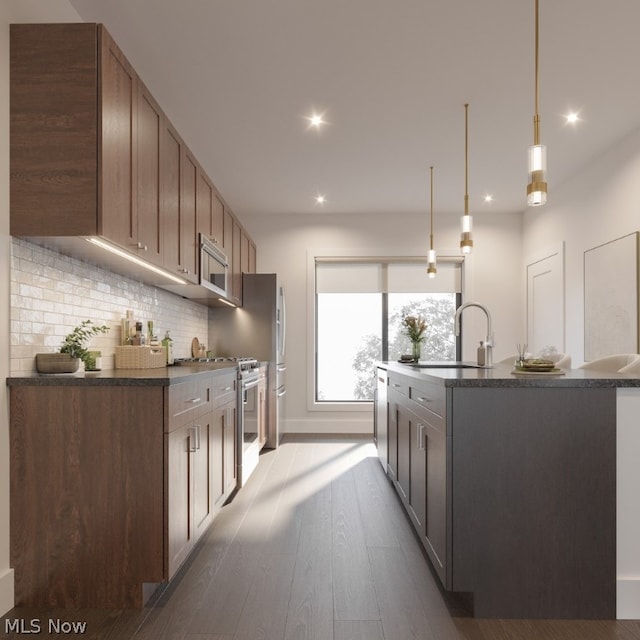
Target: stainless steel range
x,y
247,444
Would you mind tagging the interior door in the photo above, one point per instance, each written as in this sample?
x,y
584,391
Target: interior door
x,y
545,302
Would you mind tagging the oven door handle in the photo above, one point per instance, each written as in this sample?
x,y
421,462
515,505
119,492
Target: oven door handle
x,y
249,385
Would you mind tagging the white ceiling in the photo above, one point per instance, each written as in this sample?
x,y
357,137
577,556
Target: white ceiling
x,y
239,77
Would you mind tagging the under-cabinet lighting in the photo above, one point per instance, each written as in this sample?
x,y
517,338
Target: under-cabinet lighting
x,y
141,263
227,302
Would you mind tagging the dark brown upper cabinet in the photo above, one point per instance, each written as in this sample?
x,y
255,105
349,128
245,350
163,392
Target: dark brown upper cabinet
x,y
92,154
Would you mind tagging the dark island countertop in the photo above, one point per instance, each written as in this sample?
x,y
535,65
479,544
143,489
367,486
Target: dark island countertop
x,y
162,376
499,375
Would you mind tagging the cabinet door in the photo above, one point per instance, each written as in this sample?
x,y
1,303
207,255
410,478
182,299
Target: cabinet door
x,y
217,220
404,451
202,474
217,457
189,246
252,257
392,441
381,418
229,450
204,205
245,244
418,462
119,86
436,496
150,121
179,497
236,263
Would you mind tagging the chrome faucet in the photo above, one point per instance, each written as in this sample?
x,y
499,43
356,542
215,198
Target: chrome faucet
x,y
488,341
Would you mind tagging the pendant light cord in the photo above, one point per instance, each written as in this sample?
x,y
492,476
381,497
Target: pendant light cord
x,y
536,116
466,161
431,208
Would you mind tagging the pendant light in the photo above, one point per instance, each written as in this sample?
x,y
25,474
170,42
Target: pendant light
x,y
537,187
431,260
466,237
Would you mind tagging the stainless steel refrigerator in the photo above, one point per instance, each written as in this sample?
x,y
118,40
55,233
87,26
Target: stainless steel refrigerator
x,y
257,329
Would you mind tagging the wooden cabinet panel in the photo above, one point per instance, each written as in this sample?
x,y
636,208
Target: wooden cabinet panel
x,y
228,234
236,263
418,471
178,205
217,220
217,457
148,188
244,251
86,486
189,246
118,219
392,442
229,449
204,205
202,474
436,498
111,164
54,187
179,498
252,258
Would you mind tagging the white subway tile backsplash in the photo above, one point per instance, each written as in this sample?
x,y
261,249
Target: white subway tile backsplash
x,y
52,293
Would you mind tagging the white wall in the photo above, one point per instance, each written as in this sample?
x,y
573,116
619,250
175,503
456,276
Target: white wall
x,y
600,203
495,280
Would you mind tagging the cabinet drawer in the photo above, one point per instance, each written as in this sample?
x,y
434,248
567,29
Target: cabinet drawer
x,y
399,384
429,396
224,389
188,400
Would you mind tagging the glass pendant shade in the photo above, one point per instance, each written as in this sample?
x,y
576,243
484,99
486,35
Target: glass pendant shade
x,y
466,239
431,264
537,186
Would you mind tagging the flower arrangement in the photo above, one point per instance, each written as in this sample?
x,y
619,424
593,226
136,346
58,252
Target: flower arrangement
x,y
414,328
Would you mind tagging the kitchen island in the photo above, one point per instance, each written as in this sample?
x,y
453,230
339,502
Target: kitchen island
x,y
512,482
115,476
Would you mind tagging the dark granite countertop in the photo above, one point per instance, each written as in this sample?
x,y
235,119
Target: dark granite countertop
x,y
123,377
499,375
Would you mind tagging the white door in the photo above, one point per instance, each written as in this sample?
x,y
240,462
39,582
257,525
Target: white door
x,y
545,302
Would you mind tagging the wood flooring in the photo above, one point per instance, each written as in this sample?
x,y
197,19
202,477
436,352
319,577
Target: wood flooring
x,y
314,547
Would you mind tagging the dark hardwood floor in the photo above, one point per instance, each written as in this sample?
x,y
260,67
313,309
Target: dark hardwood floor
x,y
315,546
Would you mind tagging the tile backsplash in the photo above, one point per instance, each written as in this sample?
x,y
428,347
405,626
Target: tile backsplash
x,y
52,293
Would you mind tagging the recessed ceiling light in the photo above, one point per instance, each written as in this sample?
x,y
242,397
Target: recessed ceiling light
x,y
572,117
320,199
488,198
316,120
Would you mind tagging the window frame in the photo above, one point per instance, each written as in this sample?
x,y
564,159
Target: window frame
x,y
313,405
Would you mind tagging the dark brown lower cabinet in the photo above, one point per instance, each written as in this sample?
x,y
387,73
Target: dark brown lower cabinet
x,y
511,490
111,485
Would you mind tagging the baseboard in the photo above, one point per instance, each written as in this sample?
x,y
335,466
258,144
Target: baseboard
x,y
323,426
628,599
6,591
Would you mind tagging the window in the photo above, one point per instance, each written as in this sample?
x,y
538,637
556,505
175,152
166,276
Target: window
x,y
360,305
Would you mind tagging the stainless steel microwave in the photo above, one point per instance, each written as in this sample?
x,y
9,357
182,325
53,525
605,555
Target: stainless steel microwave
x,y
214,267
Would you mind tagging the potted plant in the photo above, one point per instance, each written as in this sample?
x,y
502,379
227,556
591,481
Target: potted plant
x,y
73,349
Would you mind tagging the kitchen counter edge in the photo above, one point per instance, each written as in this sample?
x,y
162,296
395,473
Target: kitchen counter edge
x,y
500,376
164,376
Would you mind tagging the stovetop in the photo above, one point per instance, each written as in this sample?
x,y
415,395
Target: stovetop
x,y
244,362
